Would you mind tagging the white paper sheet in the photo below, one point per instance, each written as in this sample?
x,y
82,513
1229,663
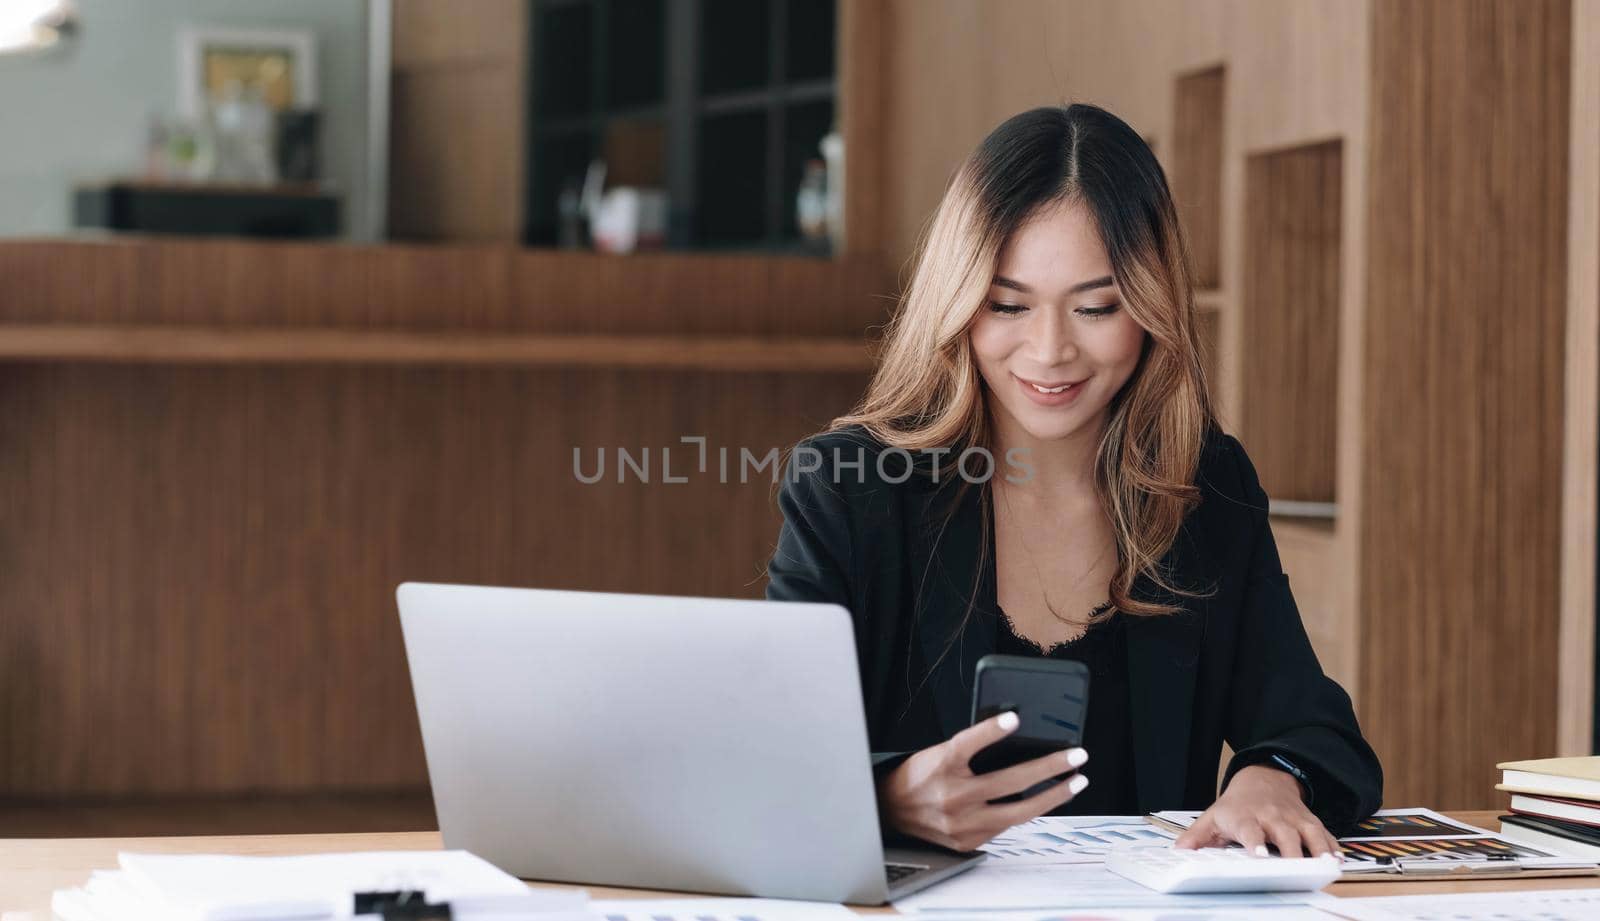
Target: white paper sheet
x,y
997,887
1534,905
1232,913
212,886
718,910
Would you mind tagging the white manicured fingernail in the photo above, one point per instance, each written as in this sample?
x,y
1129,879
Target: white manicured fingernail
x,y
1076,757
1261,851
1009,720
1077,783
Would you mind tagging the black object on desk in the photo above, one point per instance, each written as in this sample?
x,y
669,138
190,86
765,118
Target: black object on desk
x,y
292,210
401,905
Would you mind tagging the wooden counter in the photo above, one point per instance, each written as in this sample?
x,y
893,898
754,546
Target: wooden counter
x,y
220,457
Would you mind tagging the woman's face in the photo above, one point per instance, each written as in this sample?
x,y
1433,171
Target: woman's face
x,y
1053,342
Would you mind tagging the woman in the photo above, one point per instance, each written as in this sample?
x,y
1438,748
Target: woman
x,y
1049,327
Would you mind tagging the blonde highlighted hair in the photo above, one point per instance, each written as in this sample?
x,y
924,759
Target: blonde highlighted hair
x,y
927,391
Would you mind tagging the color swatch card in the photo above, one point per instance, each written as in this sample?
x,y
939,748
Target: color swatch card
x,y
1386,823
1412,823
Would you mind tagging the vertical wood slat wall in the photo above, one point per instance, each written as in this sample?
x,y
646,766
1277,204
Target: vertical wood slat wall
x,y
861,39
1460,543
1581,395
1197,169
1290,314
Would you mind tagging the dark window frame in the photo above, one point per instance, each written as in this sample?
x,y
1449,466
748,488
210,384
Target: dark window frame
x,y
682,108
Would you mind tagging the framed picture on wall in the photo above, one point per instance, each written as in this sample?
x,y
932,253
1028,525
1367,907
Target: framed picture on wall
x,y
282,63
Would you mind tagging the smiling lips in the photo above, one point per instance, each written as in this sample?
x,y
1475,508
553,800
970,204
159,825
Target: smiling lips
x,y
1050,393
1043,387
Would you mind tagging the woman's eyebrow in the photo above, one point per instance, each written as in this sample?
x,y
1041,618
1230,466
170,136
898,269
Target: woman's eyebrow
x,y
1104,281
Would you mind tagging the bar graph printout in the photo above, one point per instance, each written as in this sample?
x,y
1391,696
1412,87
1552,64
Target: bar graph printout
x,y
1403,824
1064,891
1071,839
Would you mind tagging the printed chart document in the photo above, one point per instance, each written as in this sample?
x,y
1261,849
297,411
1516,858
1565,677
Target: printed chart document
x,y
1276,913
1054,839
711,909
1051,888
1385,823
1537,905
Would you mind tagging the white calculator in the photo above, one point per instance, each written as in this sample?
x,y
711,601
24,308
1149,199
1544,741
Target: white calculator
x,y
1218,869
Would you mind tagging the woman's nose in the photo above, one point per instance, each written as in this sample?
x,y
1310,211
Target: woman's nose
x,y
1052,342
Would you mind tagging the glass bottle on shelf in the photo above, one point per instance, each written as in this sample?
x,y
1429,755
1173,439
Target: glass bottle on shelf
x,y
832,147
811,203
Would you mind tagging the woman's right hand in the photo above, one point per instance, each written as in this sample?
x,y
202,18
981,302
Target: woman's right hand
x,y
935,796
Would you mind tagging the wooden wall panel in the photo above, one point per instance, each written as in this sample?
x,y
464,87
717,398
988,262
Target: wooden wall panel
x,y
429,34
1210,320
1581,470
1198,125
1291,298
200,562
1464,336
199,559
481,288
455,154
456,122
862,37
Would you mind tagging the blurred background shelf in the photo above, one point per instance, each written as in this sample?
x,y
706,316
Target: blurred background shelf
x,y
305,210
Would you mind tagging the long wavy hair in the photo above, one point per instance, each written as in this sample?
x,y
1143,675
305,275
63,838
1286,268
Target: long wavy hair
x,y
927,391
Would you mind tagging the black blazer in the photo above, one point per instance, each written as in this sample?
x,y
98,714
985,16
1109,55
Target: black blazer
x,y
1234,667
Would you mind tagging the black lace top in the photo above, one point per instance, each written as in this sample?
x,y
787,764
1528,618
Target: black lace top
x,y
1107,735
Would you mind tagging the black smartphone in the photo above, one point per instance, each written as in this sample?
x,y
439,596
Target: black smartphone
x,y
1051,698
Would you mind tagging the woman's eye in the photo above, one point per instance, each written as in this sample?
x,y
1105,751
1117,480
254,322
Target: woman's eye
x,y
1094,312
1008,309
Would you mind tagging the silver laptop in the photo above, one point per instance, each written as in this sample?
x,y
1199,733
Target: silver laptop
x,y
697,744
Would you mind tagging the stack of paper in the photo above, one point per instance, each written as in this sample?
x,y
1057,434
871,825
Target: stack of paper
x,y
205,887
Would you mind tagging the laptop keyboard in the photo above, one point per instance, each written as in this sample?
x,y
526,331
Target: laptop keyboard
x,y
899,871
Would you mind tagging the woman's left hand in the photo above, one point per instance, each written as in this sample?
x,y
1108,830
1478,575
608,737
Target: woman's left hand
x,y
1261,804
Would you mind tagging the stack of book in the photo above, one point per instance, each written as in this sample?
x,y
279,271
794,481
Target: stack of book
x,y
1555,804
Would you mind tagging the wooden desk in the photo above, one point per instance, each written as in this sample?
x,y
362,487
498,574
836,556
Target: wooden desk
x,y
31,869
